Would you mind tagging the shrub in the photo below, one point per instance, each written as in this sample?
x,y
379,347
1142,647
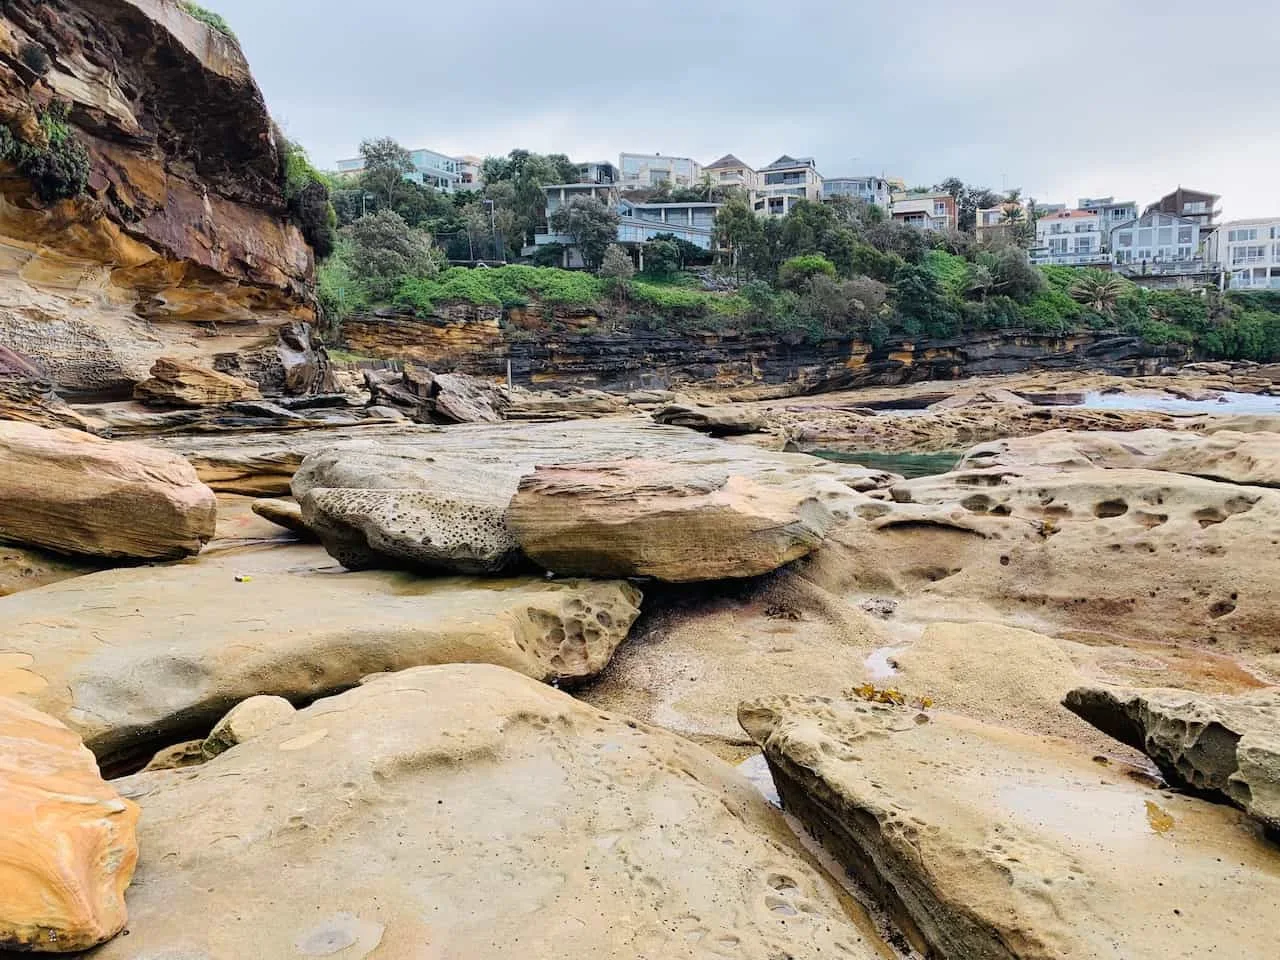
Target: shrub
x,y
57,171
36,59
384,251
207,17
794,273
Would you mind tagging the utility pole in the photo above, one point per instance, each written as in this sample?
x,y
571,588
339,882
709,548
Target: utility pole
x,y
493,226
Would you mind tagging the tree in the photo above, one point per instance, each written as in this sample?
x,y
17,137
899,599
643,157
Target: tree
x,y
384,251
737,230
661,258
617,270
1098,292
969,200
591,223
386,164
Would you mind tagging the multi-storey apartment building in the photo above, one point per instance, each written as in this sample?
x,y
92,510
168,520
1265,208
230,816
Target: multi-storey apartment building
x,y
1192,204
1156,238
643,171
1110,212
785,182
869,189
729,171
431,169
1248,252
1073,238
925,211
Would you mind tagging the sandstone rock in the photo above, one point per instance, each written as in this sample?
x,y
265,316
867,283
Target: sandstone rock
x,y
719,421
189,753
1223,745
675,522
467,811
24,568
986,844
438,499
373,509
1091,554
130,658
178,383
284,513
247,720
73,493
294,365
67,845
1246,458
184,223
436,398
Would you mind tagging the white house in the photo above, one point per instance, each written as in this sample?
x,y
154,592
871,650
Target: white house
x,y
1071,238
1157,240
431,169
869,189
925,211
1112,213
785,182
642,171
1249,252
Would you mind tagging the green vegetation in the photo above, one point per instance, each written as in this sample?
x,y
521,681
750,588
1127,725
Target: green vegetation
x,y
59,169
208,17
837,270
307,193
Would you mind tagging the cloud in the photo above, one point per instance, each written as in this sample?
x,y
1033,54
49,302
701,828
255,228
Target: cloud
x,y
1083,99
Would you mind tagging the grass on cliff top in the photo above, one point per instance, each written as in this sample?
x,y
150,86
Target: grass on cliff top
x,y
518,286
208,17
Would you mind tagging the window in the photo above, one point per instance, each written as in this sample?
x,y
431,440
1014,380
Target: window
x,y
1124,238
1184,235
1238,236
939,208
1144,255
1275,233
1119,213
1145,237
1275,253
1198,206
1184,253
1084,244
1166,236
1058,245
1248,254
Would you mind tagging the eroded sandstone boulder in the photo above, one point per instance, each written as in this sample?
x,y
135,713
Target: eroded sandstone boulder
x,y
986,844
180,383
247,720
468,811
67,844
1228,455
438,499
135,657
283,513
722,420
73,493
1223,745
676,522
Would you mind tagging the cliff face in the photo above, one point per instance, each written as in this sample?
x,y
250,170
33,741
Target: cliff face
x,y
481,341
180,244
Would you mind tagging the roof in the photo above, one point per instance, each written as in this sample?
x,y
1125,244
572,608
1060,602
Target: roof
x,y
788,161
906,196
728,160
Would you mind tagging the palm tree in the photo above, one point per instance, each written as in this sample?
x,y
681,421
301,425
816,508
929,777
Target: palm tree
x,y
1098,293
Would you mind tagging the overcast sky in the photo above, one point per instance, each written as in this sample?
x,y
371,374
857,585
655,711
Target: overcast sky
x,y
1075,99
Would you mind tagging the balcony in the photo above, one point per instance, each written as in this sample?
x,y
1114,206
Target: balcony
x,y
1042,257
1165,268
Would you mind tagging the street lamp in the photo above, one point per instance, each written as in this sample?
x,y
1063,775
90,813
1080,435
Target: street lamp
x,y
493,226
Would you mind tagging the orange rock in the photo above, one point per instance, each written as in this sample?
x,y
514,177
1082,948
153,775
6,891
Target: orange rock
x,y
67,843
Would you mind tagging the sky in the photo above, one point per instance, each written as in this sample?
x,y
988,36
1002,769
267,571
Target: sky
x,y
1075,99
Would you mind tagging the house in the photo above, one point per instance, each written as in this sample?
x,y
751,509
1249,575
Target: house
x,y
470,172
1155,238
598,172
1112,213
693,222
874,190
997,223
784,183
1248,251
925,211
729,171
643,171
431,169
1072,238
1193,204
